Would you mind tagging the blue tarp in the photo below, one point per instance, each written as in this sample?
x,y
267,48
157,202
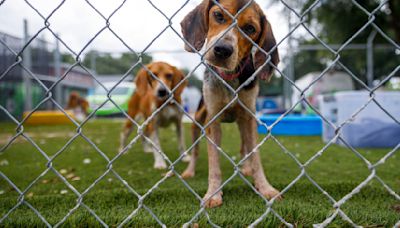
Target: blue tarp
x,y
372,133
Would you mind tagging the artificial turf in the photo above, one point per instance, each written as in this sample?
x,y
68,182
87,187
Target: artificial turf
x,y
338,171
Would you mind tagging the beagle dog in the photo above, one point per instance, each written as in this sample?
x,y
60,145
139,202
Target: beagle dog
x,y
232,54
78,105
151,94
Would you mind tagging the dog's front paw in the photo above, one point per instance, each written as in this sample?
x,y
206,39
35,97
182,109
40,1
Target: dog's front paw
x,y
160,164
247,171
270,193
214,201
187,174
186,158
147,148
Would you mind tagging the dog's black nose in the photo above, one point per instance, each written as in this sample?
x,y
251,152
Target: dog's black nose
x,y
162,93
223,51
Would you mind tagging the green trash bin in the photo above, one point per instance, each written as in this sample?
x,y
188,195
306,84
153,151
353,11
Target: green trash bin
x,y
13,97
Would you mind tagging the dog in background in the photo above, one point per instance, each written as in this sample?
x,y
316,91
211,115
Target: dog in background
x,y
150,94
233,56
78,105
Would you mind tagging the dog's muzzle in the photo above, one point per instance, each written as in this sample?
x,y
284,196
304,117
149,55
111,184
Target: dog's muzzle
x,y
223,51
161,93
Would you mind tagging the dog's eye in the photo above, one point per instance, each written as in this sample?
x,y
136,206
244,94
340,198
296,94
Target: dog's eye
x,y
219,17
249,29
168,76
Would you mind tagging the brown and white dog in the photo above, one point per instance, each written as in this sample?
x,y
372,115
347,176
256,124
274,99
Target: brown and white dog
x,y
234,57
150,94
78,105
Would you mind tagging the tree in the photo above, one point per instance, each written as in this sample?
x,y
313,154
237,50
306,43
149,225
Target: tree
x,y
193,80
394,7
272,88
341,19
308,61
67,58
336,22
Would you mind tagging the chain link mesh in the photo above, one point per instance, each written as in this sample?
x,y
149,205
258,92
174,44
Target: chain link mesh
x,y
269,211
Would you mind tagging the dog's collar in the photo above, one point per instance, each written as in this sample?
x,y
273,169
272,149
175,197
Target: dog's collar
x,y
234,74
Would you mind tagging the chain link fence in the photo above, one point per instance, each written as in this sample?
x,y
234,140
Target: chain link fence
x,y
269,211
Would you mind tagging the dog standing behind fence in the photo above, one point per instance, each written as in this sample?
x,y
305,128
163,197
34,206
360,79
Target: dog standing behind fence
x,y
234,57
78,105
150,94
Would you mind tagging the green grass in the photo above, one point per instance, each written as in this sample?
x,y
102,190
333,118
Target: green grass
x,y
337,171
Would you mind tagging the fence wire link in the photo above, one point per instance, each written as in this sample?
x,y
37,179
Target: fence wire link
x,y
269,211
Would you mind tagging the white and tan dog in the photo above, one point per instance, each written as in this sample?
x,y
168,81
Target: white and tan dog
x,y
150,94
233,56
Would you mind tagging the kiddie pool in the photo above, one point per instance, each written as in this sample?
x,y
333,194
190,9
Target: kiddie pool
x,y
292,124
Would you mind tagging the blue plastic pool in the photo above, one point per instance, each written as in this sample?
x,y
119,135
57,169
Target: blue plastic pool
x,y
292,124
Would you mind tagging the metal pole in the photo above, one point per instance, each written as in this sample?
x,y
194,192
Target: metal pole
x,y
290,73
291,76
57,73
370,58
27,63
93,56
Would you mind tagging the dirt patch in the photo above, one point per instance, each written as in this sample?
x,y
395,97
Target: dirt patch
x,y
396,208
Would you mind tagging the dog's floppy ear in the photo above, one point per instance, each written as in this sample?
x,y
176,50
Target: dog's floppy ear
x,y
195,26
142,82
266,42
73,100
84,104
178,77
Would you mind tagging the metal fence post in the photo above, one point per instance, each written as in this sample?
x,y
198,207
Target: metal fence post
x,y
27,62
57,72
287,86
370,58
93,58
